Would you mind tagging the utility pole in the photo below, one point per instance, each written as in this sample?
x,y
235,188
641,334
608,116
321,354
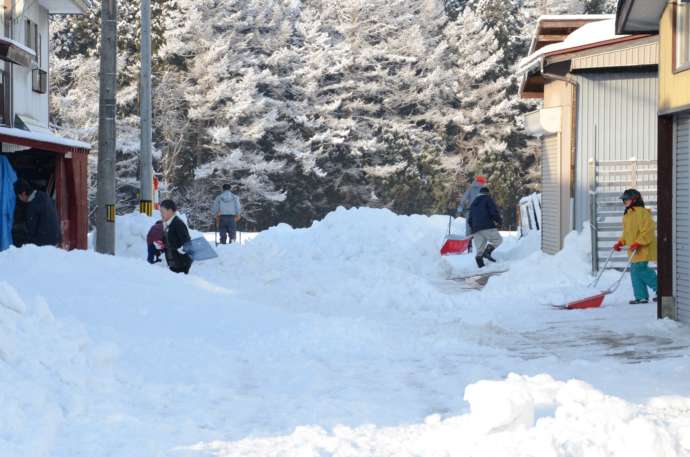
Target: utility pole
x,y
145,160
105,197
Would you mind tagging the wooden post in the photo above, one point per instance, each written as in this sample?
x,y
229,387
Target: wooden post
x,y
666,306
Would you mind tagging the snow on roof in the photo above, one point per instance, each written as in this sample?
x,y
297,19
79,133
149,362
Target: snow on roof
x,y
588,34
43,137
17,44
574,17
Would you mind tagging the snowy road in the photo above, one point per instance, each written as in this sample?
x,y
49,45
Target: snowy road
x,y
293,343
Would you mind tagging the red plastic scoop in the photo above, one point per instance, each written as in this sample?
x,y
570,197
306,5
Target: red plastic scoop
x,y
589,302
595,301
454,244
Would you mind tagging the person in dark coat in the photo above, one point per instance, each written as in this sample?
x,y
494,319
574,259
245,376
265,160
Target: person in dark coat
x,y
155,242
176,235
483,220
42,224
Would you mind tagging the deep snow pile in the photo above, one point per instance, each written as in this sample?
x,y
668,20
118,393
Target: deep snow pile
x,y
347,323
517,417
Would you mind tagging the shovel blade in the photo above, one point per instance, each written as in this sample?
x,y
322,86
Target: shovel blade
x,y
455,245
594,301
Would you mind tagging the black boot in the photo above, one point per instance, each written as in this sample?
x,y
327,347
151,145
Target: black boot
x,y
487,253
480,262
639,301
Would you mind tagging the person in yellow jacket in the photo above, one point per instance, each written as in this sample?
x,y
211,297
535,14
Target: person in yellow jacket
x,y
639,234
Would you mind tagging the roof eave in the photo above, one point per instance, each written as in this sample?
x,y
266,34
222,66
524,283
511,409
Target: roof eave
x,y
651,13
599,44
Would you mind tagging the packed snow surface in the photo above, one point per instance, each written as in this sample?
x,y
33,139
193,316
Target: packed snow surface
x,y
343,339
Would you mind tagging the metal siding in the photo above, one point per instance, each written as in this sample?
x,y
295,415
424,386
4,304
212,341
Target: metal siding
x,y
616,120
681,217
551,195
647,54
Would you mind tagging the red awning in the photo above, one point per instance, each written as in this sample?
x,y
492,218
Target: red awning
x,y
42,141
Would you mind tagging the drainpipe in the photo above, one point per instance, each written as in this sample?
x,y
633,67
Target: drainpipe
x,y
573,139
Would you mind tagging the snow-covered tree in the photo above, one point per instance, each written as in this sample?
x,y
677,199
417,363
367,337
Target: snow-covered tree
x,y
304,106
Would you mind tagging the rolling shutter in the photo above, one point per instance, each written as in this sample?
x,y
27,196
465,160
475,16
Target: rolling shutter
x,y
681,217
551,195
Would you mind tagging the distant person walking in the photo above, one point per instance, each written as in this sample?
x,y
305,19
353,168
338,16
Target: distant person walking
x,y
639,234
41,220
468,197
483,220
176,235
226,211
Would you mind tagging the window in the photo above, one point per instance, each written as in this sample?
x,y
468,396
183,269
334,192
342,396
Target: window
x,y
33,40
39,81
682,38
4,106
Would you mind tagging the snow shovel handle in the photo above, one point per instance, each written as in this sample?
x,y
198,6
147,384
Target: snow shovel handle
x,y
615,285
450,222
601,270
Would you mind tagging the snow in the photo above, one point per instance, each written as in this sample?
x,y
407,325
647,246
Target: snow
x,y
43,137
588,34
343,339
17,44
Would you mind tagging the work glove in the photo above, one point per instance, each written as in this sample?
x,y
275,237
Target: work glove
x,y
159,245
618,246
635,247
181,251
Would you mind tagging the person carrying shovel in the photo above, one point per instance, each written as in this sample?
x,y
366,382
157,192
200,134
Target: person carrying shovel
x,y
226,211
639,234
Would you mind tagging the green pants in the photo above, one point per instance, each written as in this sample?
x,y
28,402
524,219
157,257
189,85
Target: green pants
x,y
642,277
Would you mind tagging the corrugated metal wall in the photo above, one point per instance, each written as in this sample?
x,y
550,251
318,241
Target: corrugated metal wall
x,y
630,56
616,120
551,195
681,217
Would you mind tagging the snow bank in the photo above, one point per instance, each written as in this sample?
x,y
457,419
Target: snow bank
x,y
520,416
349,322
130,233
48,370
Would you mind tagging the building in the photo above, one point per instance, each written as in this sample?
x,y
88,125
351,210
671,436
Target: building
x,y
671,20
597,124
51,163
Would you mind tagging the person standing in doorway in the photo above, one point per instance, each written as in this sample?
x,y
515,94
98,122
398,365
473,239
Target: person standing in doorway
x,y
176,235
471,193
639,234
226,211
42,224
483,220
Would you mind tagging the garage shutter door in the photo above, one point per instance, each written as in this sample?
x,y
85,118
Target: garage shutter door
x,y
551,195
681,222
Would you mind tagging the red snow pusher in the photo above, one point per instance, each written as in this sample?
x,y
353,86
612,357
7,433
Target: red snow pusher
x,y
595,301
454,244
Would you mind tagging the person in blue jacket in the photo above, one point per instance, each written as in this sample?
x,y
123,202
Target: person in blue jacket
x,y
42,225
483,220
